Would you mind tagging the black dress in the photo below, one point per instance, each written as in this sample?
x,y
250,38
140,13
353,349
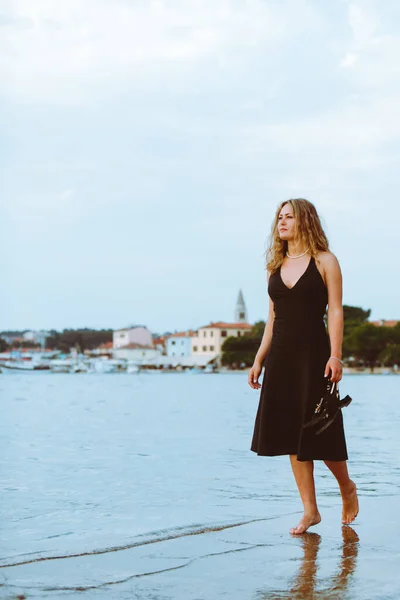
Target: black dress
x,y
293,379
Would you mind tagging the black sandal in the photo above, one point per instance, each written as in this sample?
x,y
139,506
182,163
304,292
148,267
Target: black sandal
x,y
328,407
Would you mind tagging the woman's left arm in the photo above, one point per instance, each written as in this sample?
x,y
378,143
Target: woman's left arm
x,y
333,277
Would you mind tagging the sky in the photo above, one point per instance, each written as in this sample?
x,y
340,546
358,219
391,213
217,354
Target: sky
x,y
146,145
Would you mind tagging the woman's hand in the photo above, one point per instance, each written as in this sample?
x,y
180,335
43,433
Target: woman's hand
x,y
254,374
334,369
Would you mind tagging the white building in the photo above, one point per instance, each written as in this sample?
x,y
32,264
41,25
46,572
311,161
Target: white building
x,y
135,334
179,343
37,337
136,352
210,338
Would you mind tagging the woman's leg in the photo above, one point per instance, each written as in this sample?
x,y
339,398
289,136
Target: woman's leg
x,y
303,472
347,487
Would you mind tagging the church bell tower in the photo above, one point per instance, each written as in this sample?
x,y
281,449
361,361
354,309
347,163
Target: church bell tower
x,y
240,310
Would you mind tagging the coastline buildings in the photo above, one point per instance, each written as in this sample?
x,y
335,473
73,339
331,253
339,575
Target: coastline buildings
x,y
37,337
134,343
240,310
136,352
180,343
204,345
385,323
137,344
210,338
134,334
192,347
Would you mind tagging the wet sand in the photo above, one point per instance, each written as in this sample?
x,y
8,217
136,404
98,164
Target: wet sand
x,y
258,559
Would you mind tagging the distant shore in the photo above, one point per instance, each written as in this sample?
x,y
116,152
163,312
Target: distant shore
x,y
367,371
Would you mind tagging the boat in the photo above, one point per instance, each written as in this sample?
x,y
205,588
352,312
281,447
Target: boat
x,y
62,365
195,370
19,365
101,365
210,369
79,368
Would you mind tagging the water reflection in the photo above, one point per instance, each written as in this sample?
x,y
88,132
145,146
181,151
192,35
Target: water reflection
x,y
304,585
348,560
306,579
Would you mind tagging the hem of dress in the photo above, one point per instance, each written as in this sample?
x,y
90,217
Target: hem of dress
x,y
303,458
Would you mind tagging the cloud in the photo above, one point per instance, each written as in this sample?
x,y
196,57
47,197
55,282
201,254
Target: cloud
x,y
364,23
249,78
163,128
374,46
65,194
349,60
66,49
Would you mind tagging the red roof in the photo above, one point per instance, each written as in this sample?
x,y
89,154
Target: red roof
x,y
106,346
385,323
32,350
223,325
189,333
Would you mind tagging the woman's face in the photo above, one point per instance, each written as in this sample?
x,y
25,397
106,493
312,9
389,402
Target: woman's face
x,y
286,223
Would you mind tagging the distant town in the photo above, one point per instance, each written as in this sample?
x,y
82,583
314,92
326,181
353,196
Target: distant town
x,y
135,344
210,348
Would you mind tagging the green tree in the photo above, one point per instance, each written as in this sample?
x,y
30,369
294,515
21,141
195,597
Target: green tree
x,y
238,350
355,314
81,339
28,344
353,317
257,330
390,355
394,334
53,340
367,341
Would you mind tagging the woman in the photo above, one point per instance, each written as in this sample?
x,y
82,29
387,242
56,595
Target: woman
x,y
297,353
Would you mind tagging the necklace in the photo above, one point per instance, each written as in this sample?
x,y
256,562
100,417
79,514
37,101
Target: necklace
x,y
298,256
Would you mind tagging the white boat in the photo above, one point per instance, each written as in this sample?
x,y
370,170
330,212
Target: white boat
x,y
19,365
194,370
101,365
133,368
79,368
62,365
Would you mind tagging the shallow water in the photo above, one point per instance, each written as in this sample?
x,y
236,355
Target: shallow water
x,y
94,463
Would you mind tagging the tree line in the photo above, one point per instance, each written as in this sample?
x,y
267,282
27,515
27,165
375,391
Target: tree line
x,y
81,339
364,344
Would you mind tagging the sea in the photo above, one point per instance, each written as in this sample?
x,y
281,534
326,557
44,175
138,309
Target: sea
x,y
144,486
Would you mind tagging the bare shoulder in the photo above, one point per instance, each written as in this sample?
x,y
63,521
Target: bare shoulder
x,y
329,267
269,273
327,260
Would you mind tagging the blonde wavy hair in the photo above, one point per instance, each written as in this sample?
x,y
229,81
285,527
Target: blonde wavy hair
x,y
308,229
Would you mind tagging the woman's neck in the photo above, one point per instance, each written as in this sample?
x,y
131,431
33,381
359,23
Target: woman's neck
x,y
294,248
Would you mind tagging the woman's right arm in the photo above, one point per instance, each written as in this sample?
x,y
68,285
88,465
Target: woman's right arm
x,y
267,337
262,352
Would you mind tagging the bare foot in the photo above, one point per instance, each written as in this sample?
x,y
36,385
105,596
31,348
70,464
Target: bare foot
x,y
350,503
307,521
